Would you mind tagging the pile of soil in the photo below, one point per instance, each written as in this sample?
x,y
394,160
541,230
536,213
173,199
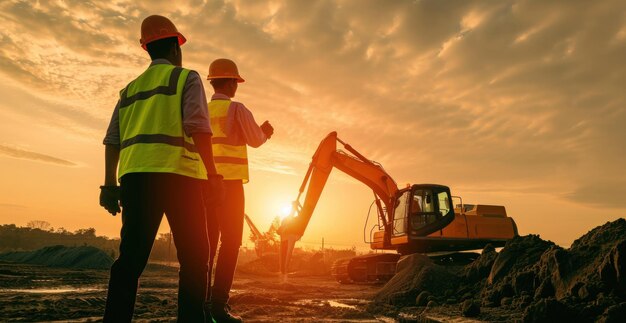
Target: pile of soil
x,y
586,282
84,257
303,264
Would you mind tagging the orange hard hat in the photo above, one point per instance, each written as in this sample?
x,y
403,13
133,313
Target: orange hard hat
x,y
157,27
224,68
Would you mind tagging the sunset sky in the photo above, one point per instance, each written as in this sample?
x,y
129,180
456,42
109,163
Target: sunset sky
x,y
516,103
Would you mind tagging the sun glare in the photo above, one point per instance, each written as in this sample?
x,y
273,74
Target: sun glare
x,y
285,211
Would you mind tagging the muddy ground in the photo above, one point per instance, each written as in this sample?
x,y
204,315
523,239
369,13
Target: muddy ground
x,y
529,280
32,293
37,293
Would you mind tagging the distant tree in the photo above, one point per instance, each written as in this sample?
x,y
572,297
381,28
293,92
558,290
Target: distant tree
x,y
163,248
91,232
38,224
167,237
31,237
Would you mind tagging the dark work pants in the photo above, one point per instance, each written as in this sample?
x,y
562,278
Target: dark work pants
x,y
144,198
225,223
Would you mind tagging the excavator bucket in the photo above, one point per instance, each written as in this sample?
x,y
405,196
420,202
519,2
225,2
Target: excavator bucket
x,y
287,244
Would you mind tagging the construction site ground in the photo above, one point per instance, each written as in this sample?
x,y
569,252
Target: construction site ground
x,y
529,280
37,293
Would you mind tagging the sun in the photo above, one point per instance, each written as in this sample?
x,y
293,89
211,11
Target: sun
x,y
285,211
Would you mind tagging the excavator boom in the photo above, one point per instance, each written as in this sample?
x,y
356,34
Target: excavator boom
x,y
325,158
255,231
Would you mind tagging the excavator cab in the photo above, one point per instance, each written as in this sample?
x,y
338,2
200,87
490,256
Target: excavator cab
x,y
420,210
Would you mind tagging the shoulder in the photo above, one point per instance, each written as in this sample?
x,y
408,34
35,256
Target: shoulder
x,y
193,79
191,74
238,106
240,109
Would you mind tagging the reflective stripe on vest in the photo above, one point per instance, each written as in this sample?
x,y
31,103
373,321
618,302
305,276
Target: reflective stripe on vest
x,y
230,156
151,126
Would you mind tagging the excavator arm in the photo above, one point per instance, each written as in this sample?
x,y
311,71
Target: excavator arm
x,y
357,166
255,231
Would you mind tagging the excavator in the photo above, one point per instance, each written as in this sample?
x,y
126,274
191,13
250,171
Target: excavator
x,y
419,218
263,242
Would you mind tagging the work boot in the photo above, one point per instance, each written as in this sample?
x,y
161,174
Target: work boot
x,y
208,318
221,314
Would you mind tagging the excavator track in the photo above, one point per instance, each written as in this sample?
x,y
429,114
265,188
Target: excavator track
x,y
379,268
369,268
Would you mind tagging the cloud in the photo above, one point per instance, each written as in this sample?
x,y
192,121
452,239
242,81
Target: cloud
x,y
601,193
510,93
31,155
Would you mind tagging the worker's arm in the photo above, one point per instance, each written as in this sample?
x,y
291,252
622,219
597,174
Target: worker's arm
x,y
253,134
197,125
111,159
202,141
196,122
110,192
213,189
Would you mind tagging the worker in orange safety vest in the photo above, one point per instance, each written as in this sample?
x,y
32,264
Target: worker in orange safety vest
x,y
234,128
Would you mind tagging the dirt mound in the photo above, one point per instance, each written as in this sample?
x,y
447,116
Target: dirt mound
x,y
86,257
265,265
511,271
481,267
301,264
600,255
586,282
414,274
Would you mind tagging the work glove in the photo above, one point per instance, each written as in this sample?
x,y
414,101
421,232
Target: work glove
x,y
213,191
267,129
109,199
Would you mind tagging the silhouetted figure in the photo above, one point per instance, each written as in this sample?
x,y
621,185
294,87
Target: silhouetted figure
x,y
234,129
160,134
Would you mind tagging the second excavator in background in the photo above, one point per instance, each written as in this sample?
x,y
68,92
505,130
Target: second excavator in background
x,y
264,243
417,219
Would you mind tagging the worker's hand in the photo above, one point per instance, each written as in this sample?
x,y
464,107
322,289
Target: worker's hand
x,y
267,129
109,199
213,191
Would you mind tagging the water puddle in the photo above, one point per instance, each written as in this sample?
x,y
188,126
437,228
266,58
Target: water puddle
x,y
340,305
336,303
59,290
385,319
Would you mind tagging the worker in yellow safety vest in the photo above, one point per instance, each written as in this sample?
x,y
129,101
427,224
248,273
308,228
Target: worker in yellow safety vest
x,y
160,134
234,128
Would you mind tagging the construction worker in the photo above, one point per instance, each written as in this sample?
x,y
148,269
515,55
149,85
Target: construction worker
x,y
160,134
234,128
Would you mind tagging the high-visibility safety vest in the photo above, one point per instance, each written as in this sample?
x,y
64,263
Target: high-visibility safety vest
x,y
151,126
229,153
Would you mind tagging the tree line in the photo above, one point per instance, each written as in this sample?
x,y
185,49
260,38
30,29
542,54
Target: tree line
x,y
38,234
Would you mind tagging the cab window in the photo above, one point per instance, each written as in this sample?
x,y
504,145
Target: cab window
x,y
422,209
422,202
400,213
444,203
